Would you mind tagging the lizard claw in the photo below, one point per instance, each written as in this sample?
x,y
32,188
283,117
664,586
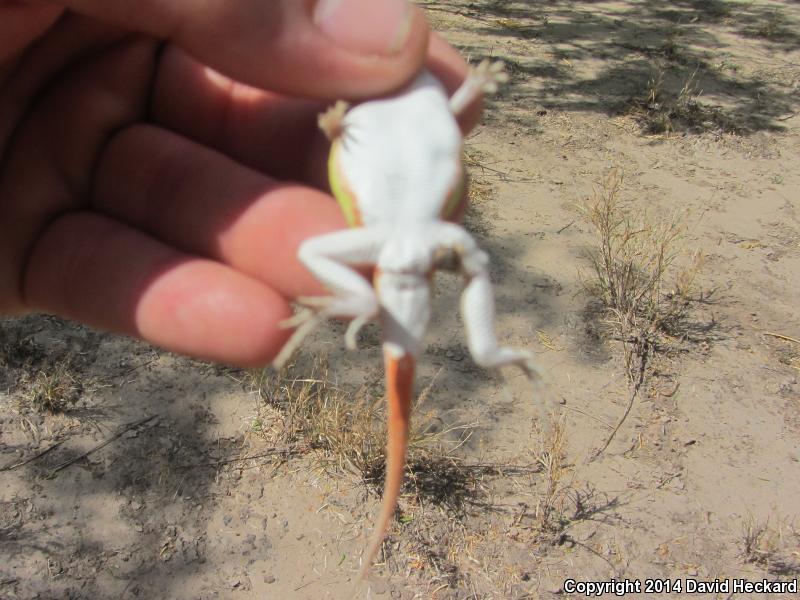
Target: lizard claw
x,y
351,335
489,75
530,368
331,122
317,309
506,357
306,321
525,362
483,79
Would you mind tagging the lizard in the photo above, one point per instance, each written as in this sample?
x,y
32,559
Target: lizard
x,y
396,169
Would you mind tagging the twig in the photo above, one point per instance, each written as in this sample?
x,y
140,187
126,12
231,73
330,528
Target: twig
x,y
666,480
565,226
271,452
32,458
501,468
592,550
128,371
308,583
782,337
122,430
591,416
634,392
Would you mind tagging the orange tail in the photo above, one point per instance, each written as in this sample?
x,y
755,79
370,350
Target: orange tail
x,y
399,391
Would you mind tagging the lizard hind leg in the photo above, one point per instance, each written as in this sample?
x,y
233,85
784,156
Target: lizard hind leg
x,y
328,257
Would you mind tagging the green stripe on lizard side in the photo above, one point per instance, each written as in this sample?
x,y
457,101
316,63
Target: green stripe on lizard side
x,y
345,198
454,200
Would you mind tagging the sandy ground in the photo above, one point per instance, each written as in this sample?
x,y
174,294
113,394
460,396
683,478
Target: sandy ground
x,y
700,482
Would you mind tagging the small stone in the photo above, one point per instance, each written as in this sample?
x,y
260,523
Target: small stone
x,y
269,579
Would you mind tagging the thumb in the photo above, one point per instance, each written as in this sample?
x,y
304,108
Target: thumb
x,y
316,48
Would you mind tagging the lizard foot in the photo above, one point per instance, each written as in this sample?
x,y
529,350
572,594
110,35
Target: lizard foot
x,y
489,75
316,310
483,79
331,122
362,309
502,357
306,321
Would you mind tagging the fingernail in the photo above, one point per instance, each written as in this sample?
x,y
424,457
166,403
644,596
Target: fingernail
x,y
366,26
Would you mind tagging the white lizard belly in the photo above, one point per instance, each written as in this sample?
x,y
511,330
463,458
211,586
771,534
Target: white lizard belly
x,y
401,156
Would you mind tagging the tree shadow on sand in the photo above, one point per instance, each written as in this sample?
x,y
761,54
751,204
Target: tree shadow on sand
x,y
602,57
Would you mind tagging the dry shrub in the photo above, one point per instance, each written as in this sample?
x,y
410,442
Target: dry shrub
x,y
644,296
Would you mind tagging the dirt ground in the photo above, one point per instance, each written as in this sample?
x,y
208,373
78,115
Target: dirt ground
x,y
195,495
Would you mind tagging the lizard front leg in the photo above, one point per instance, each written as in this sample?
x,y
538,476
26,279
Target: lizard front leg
x,y
331,259
483,79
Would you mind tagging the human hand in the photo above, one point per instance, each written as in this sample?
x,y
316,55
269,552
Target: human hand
x,y
155,176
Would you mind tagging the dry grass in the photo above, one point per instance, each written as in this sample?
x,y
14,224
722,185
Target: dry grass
x,y
345,432
449,507
774,548
40,381
53,389
659,111
549,514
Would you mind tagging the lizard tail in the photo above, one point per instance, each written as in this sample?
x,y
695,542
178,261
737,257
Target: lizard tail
x,y
399,391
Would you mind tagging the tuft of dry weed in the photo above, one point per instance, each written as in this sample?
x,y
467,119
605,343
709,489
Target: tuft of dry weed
x,y
643,294
549,517
774,548
53,389
659,111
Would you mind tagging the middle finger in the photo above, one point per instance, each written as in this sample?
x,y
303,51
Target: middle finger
x,y
207,204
